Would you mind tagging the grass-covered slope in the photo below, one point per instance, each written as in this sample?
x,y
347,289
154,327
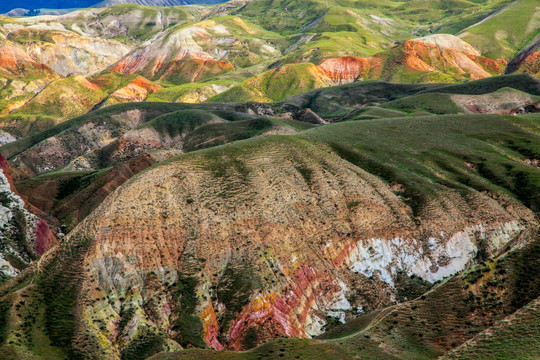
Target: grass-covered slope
x,y
352,27
507,31
408,155
276,84
60,100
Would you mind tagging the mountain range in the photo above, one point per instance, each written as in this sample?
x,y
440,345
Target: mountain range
x,y
7,7
271,179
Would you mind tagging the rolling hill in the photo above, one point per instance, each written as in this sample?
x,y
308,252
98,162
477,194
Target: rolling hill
x,y
238,51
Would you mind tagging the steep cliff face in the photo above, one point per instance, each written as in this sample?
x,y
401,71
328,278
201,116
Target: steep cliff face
x,y
267,238
441,54
24,237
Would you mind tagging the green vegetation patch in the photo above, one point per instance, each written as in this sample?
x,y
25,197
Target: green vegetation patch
x,y
234,290
60,286
187,324
145,344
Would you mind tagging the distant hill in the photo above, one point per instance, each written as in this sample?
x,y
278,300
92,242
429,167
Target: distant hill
x,y
7,6
157,2
35,12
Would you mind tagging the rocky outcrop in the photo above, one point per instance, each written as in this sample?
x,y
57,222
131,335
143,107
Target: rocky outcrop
x,y
24,237
387,257
16,63
503,101
346,70
69,53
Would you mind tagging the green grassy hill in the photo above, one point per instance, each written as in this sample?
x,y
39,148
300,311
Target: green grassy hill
x,y
507,32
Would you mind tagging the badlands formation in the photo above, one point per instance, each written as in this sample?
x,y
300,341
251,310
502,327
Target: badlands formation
x,y
271,179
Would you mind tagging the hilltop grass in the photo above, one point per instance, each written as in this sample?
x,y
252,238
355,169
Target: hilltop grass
x,y
274,85
178,122
186,92
408,150
434,103
112,81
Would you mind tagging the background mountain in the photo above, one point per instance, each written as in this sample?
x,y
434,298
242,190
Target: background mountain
x,y
6,6
156,2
